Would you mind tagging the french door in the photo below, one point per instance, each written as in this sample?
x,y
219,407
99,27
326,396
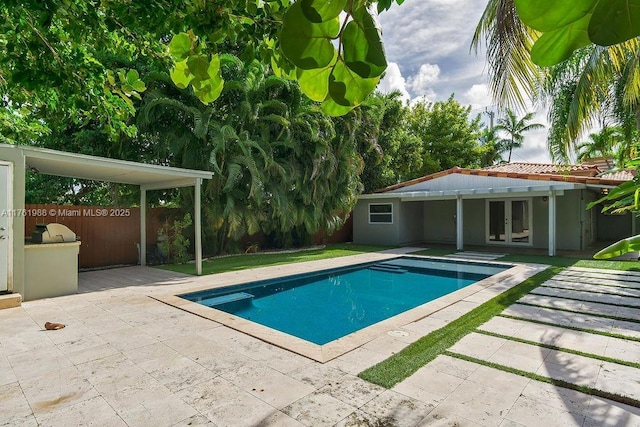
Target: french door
x,y
509,222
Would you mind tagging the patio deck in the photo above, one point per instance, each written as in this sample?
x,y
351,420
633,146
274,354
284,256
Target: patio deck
x,y
127,359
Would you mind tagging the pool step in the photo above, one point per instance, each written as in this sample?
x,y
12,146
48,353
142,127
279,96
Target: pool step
x,y
225,299
388,268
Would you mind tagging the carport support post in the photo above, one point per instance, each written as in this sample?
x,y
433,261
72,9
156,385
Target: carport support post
x,y
198,226
143,225
459,224
552,223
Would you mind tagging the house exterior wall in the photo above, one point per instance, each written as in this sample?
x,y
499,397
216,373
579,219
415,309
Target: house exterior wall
x,y
474,217
375,234
613,227
439,221
410,222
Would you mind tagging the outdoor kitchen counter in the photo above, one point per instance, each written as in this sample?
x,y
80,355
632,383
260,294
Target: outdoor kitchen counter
x,y
51,269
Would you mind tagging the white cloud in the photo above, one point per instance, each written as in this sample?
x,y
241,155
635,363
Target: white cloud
x,y
422,83
477,96
393,80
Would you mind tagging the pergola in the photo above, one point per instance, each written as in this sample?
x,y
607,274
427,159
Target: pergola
x,y
146,176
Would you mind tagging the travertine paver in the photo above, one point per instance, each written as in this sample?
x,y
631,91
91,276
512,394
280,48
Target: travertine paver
x,y
606,289
587,296
588,278
582,306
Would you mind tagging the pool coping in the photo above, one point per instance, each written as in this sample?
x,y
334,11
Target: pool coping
x,y
324,353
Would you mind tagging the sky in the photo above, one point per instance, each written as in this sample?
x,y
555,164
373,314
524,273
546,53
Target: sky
x,y
427,43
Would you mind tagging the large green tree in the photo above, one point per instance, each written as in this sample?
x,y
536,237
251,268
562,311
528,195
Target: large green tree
x,y
515,127
450,136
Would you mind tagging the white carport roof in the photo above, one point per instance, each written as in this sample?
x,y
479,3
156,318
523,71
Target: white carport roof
x,y
60,163
148,177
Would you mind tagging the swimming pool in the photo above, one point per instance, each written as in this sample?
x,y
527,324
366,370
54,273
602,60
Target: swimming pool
x,y
324,306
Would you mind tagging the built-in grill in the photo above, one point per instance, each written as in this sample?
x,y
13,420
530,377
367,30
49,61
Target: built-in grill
x,y
52,233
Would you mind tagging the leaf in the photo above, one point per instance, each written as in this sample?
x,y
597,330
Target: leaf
x,y
330,107
363,50
139,86
314,83
630,244
199,66
347,88
180,47
180,75
549,15
132,76
305,44
615,21
318,11
558,45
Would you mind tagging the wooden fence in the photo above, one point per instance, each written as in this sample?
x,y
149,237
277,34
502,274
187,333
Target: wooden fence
x,y
109,235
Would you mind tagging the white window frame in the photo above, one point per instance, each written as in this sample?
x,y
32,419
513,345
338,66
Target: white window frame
x,y
369,213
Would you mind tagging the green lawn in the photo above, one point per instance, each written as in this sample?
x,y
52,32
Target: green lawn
x,y
245,261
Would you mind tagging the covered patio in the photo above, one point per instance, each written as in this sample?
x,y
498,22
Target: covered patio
x,y
17,160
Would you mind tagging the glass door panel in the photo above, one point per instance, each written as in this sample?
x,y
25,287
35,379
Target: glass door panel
x,y
520,232
497,221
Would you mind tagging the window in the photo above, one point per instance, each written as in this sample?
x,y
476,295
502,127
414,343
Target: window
x,y
381,213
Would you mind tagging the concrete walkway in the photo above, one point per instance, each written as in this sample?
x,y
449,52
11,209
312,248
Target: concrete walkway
x,y
125,359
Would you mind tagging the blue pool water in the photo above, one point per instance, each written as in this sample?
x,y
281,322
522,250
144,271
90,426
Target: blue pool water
x,y
323,306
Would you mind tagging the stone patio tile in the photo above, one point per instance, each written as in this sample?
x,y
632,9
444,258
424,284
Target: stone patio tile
x,y
386,345
94,412
177,373
533,413
23,340
360,419
607,413
14,406
426,326
522,310
318,410
521,356
557,397
105,324
392,408
356,360
623,349
6,373
37,362
623,327
275,357
437,384
478,345
486,397
83,355
352,390
128,338
445,417
502,326
571,368
57,389
455,310
227,405
149,405
195,421
619,379
453,366
267,384
155,351
113,374
317,375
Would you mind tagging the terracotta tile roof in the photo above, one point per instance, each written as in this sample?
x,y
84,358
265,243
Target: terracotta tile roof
x,y
525,172
547,168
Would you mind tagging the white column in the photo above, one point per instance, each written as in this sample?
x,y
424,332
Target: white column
x,y
459,224
143,225
198,226
552,223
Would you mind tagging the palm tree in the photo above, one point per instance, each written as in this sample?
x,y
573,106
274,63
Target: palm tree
x,y
515,128
491,147
602,144
595,83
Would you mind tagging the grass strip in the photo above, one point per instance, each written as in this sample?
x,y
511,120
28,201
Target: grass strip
x,y
391,371
247,261
604,316
573,328
556,382
586,300
563,349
